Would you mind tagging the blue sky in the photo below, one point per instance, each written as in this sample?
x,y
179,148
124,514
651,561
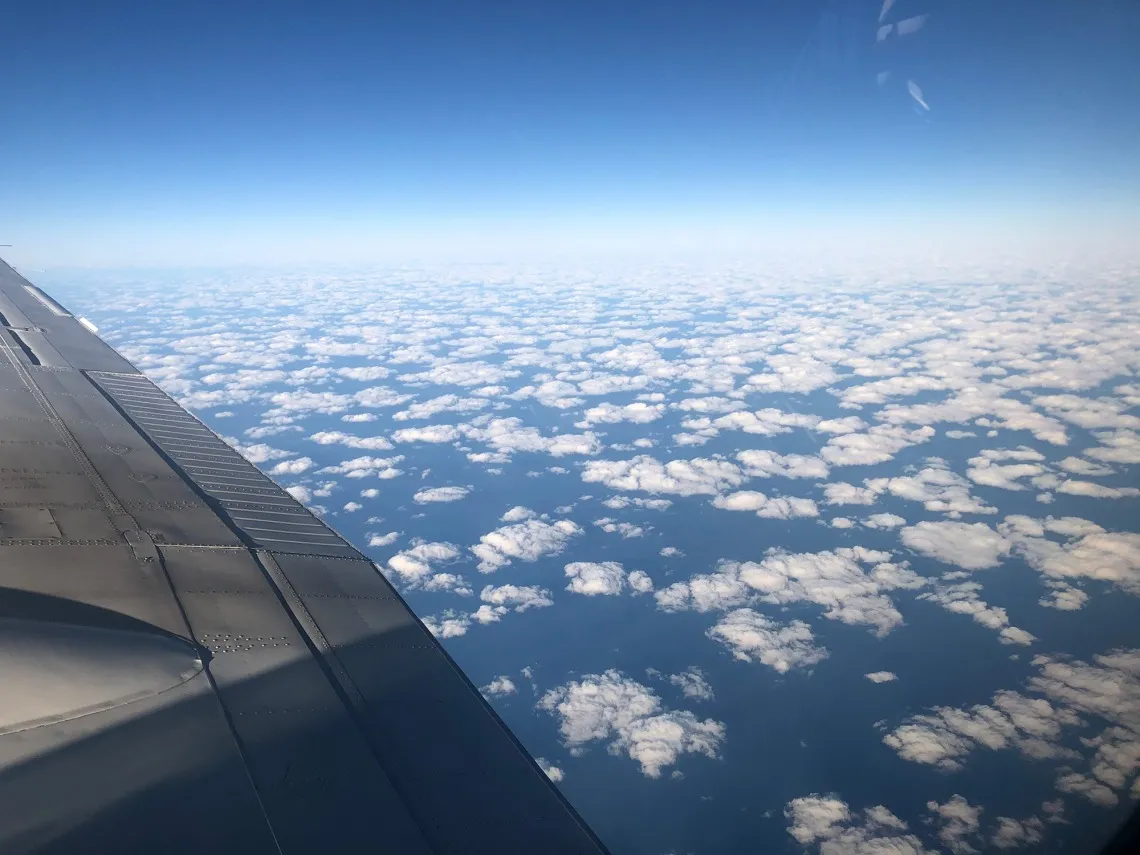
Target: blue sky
x,y
209,133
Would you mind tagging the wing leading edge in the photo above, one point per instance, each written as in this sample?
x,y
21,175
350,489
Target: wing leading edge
x,y
193,662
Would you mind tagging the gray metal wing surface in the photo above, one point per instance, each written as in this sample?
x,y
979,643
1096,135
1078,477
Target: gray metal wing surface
x,y
191,661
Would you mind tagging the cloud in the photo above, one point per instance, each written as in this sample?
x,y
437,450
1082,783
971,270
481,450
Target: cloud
x,y
432,434
508,436
441,494
517,597
883,521
972,546
526,541
517,513
1122,446
766,422
829,822
449,624
631,718
832,579
499,687
841,493
680,477
1013,834
639,413
946,736
592,579
877,445
939,489
383,539
767,464
640,582
258,452
550,770
881,676
773,508
625,529
414,567
1089,553
302,494
441,404
620,502
292,467
1096,491
750,635
957,821
366,467
693,684
336,437
962,598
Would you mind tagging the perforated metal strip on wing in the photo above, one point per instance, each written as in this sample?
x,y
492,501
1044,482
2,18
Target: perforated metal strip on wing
x,y
268,516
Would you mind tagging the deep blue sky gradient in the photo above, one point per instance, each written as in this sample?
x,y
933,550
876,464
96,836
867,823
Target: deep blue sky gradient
x,y
134,132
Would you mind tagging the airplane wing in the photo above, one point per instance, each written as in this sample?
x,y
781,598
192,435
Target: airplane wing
x,y
191,661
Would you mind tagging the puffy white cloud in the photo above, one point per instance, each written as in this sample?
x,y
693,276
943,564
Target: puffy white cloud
x,y
292,467
449,624
500,686
618,503
881,676
1122,446
793,372
460,374
640,582
1090,553
591,579
258,452
638,412
773,508
441,494
517,597
972,546
625,529
517,513
766,422
336,437
414,567
1013,833
630,717
883,521
939,489
441,404
834,580
551,771
946,736
383,539
962,598
366,467
780,646
433,434
681,477
985,403
958,822
302,494
877,445
693,684
830,823
842,493
765,464
508,435
526,541
353,507
1096,491
1080,466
